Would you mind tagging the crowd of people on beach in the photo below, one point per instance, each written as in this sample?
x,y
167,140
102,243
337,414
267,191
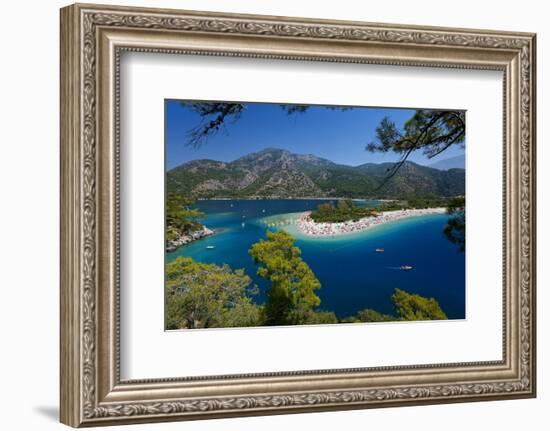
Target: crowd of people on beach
x,y
307,226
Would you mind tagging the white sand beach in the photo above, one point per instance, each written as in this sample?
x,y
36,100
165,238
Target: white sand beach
x,y
307,226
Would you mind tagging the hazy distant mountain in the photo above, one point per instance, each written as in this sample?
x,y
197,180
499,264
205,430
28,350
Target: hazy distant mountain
x,y
280,173
457,162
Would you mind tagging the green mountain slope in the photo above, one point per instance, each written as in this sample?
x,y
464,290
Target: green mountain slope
x,y
279,173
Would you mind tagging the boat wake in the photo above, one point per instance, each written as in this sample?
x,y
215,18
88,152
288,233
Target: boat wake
x,y
400,268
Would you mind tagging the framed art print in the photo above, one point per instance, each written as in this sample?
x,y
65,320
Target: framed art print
x,y
267,215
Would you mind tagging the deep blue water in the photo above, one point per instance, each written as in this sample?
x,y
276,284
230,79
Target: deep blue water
x,y
353,276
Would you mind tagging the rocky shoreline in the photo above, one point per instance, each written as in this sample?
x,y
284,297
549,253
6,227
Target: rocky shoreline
x,y
187,238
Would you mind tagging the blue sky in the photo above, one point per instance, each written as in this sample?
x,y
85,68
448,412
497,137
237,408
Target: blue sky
x,y
340,136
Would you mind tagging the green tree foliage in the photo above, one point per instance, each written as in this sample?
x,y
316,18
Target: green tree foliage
x,y
303,316
291,298
455,230
415,307
369,315
180,218
407,307
345,210
345,205
200,295
456,204
427,130
416,203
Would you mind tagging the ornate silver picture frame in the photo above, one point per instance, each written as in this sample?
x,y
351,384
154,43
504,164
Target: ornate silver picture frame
x,y
92,40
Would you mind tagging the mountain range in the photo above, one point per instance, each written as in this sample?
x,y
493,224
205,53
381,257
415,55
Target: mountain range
x,y
279,173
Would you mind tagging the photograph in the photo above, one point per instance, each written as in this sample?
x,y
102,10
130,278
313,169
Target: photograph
x,y
296,214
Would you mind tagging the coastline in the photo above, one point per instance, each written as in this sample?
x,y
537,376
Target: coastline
x,y
294,198
308,227
188,238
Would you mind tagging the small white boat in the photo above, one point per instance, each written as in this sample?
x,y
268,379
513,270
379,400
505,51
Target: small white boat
x,y
379,250
210,247
405,267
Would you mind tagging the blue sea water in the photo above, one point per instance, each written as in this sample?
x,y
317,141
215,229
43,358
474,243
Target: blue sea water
x,y
352,274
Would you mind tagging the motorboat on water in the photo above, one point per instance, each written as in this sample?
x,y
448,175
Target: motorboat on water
x,y
379,250
405,267
210,247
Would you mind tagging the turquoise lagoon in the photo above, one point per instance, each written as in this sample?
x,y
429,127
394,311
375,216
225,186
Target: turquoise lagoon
x,y
352,274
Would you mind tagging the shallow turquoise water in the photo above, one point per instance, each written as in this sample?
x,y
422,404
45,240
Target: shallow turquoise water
x,y
353,276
